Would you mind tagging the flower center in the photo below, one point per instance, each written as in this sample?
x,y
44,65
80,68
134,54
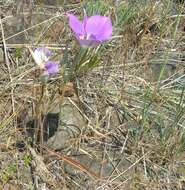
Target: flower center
x,y
85,37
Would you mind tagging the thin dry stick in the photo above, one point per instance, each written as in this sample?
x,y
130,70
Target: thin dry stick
x,y
8,65
122,183
144,162
49,46
7,121
124,144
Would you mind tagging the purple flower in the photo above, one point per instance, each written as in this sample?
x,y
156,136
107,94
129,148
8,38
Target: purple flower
x,y
92,30
41,56
51,68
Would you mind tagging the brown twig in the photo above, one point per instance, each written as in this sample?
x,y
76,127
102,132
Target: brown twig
x,y
72,162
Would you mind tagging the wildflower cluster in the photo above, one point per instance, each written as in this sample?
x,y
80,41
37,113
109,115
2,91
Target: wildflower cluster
x,y
90,32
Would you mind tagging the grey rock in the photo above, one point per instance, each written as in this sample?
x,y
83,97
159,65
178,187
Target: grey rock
x,y
170,64
71,122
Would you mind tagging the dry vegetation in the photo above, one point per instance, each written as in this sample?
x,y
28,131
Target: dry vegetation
x,y
132,132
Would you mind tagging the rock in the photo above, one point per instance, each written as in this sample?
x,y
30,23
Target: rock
x,y
71,122
170,63
112,165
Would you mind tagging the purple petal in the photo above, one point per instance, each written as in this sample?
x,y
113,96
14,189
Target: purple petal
x,y
84,22
100,27
51,68
76,25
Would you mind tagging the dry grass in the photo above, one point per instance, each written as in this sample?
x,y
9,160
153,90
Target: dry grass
x,y
133,102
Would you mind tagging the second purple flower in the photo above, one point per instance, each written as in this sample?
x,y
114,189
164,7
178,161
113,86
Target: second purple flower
x,y
41,56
